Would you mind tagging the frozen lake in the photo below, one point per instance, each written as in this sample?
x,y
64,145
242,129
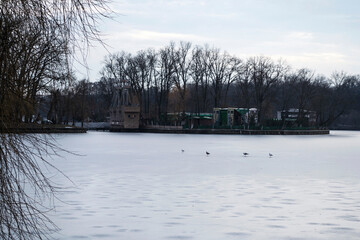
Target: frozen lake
x,y
142,186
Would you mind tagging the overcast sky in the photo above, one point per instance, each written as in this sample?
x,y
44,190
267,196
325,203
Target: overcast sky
x,y
323,35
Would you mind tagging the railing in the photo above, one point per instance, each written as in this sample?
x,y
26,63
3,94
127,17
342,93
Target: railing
x,y
163,127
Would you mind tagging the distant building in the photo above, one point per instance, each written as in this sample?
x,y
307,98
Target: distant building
x,y
189,120
124,109
231,117
199,120
304,118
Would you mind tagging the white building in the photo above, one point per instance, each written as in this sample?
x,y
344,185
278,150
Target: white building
x,y
293,114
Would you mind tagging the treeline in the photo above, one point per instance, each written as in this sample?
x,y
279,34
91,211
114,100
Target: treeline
x,y
181,78
31,57
36,54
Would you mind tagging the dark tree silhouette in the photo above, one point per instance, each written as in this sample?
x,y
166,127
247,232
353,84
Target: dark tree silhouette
x,y
37,42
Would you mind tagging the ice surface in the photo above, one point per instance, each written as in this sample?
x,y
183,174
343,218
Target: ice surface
x,y
142,186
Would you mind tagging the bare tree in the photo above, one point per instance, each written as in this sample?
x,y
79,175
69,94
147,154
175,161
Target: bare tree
x,y
115,67
139,73
151,57
23,212
264,74
217,67
81,100
338,78
182,70
200,76
303,92
38,39
234,68
106,90
245,85
163,80
333,100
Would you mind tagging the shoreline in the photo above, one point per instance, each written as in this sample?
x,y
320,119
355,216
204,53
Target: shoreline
x,y
67,129
224,131
24,130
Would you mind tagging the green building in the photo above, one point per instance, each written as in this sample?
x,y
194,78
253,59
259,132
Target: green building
x,y
234,117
